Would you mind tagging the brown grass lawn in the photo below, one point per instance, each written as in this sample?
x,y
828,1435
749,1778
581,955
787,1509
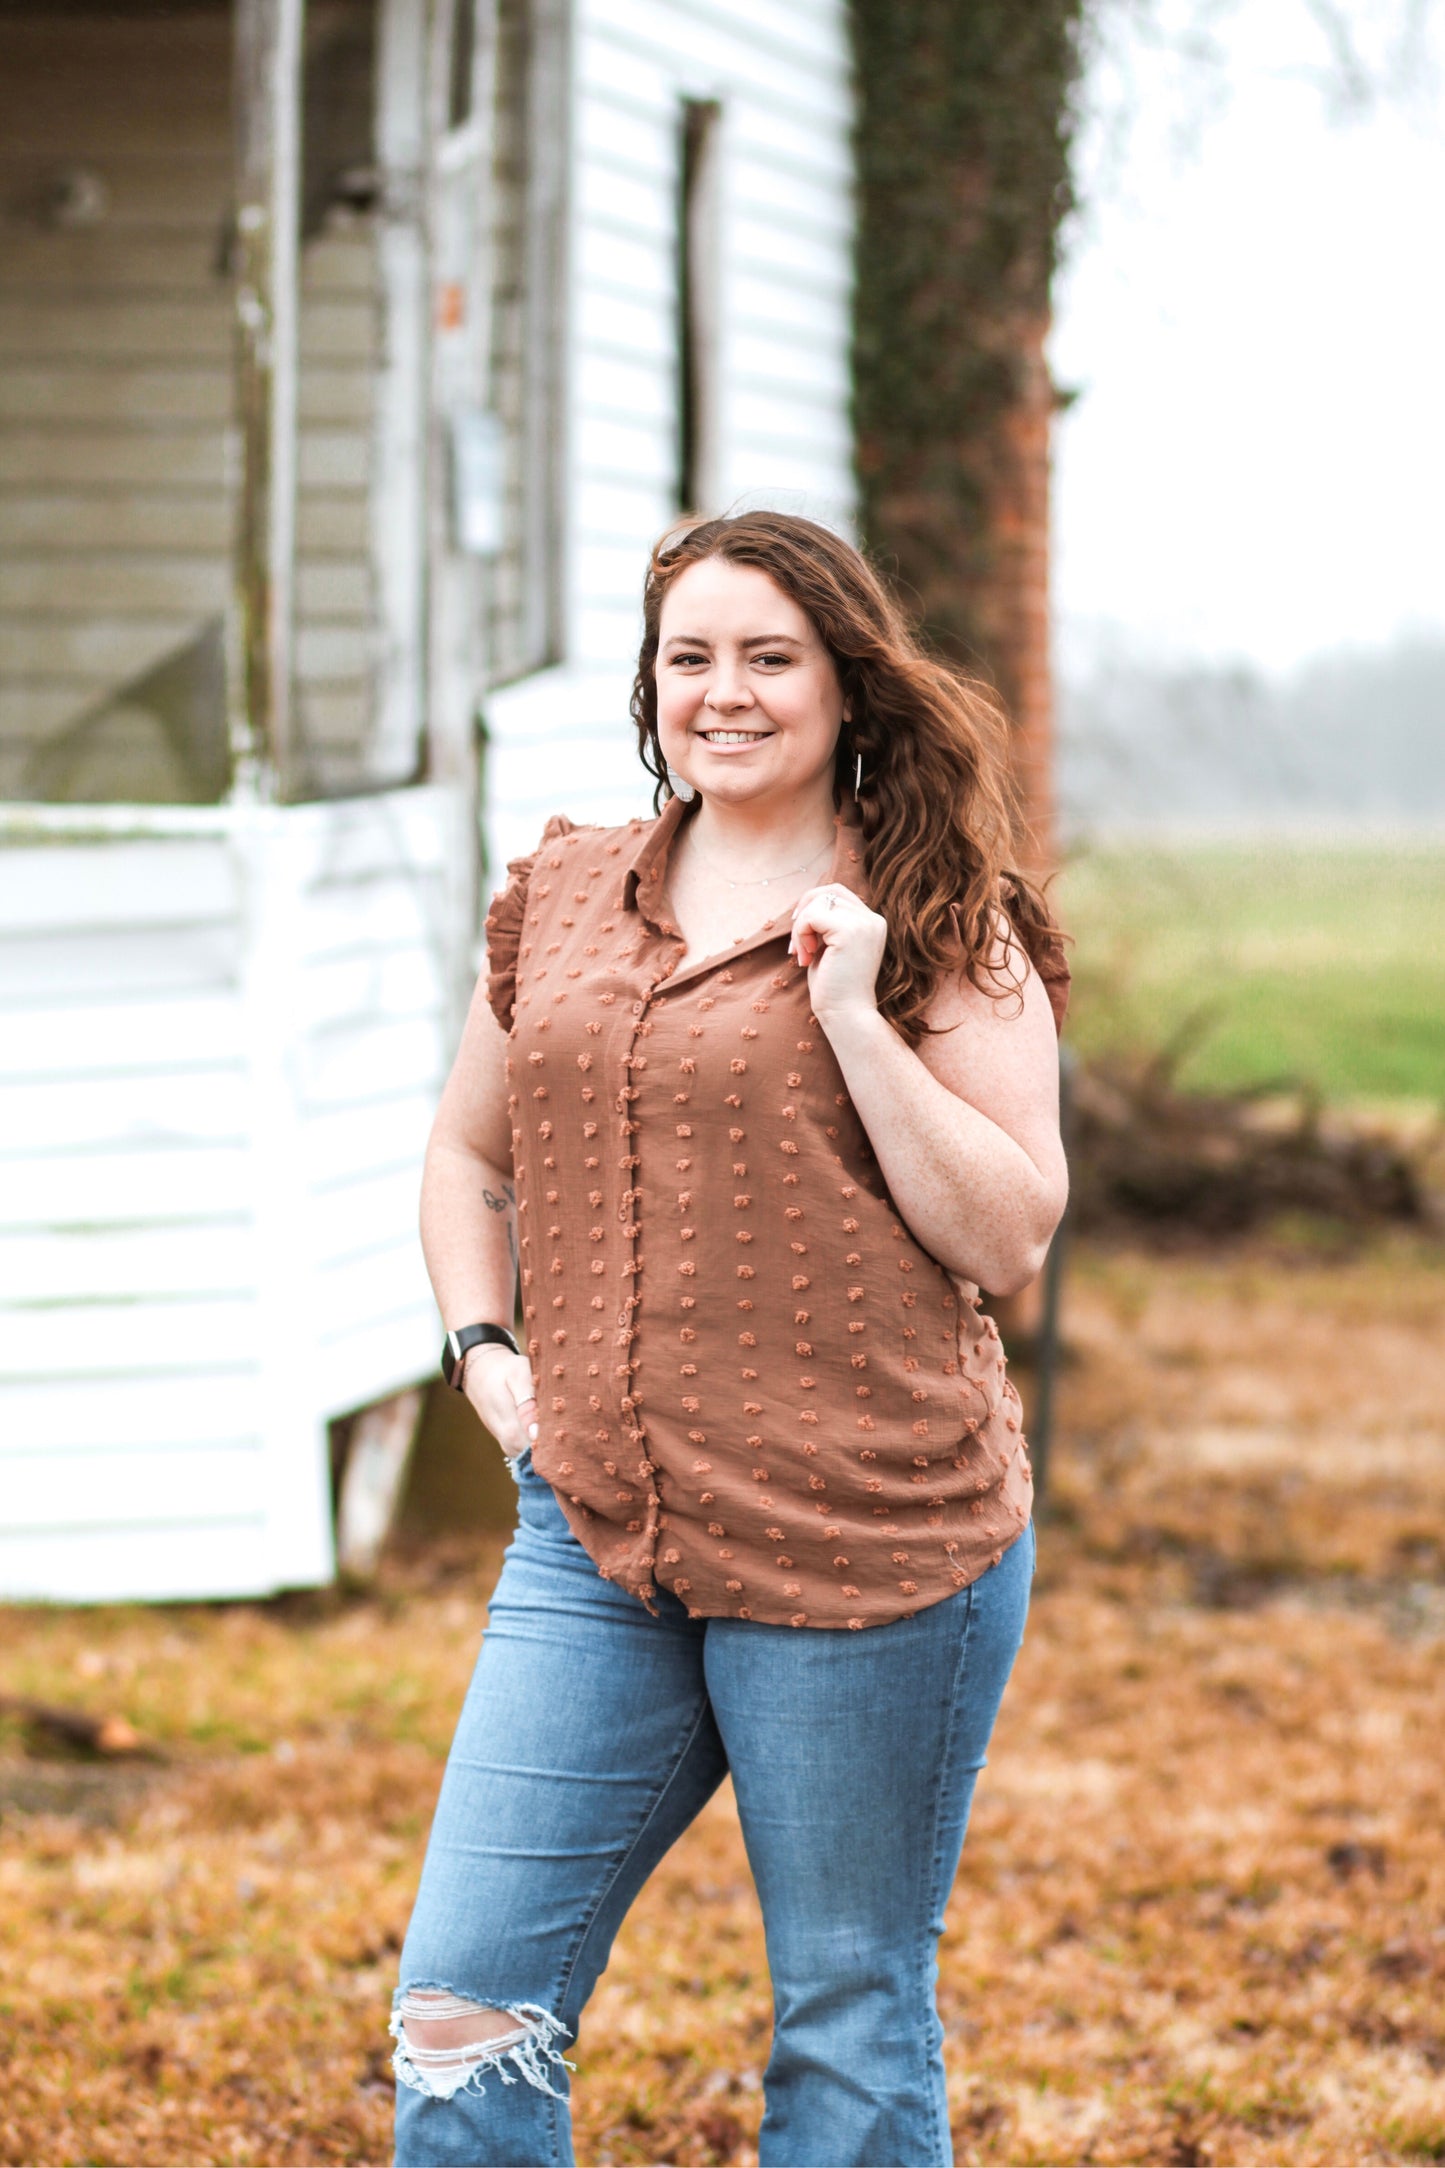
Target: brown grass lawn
x,y
1201,1917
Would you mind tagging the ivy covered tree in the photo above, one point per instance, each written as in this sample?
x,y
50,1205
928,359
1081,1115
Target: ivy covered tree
x,y
964,119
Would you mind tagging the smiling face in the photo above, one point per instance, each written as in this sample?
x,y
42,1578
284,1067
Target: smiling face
x,y
748,701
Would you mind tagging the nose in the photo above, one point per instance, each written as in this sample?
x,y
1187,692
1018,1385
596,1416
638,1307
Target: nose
x,y
728,691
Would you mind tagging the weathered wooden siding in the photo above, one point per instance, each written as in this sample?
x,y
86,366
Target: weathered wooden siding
x,y
116,389
779,70
339,347
115,351
221,1038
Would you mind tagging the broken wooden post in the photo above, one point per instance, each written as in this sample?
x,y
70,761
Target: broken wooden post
x,y
382,1437
399,420
268,169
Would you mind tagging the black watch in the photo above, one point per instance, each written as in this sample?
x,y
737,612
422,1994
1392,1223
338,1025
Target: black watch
x,y
457,1344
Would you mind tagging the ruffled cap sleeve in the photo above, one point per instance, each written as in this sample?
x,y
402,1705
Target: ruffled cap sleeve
x,y
504,923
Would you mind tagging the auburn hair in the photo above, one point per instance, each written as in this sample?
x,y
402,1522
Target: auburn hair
x,y
938,806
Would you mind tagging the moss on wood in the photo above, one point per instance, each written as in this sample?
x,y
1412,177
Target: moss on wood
x,y
965,110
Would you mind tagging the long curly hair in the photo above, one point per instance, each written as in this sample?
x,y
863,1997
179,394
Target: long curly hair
x,y
938,807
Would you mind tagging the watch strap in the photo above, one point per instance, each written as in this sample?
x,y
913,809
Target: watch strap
x,y
459,1344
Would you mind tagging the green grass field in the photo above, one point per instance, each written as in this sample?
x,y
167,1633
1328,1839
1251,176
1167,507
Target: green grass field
x,y
1268,961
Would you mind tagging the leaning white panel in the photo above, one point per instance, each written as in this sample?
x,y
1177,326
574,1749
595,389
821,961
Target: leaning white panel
x,y
209,1177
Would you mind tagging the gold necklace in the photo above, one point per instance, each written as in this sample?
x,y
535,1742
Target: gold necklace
x,y
765,879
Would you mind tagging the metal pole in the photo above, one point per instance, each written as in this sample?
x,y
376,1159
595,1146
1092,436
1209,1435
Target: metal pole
x,y
1041,1430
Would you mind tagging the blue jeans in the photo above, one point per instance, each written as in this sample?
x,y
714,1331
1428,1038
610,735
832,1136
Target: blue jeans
x,y
591,1736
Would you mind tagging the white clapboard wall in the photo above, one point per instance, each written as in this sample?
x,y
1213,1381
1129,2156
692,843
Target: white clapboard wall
x,y
779,71
221,1037
223,1030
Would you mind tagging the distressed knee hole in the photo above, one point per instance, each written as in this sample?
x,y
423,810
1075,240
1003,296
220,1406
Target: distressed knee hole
x,y
446,2041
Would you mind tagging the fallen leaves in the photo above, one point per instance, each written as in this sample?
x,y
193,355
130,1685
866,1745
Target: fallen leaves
x,y
1201,1915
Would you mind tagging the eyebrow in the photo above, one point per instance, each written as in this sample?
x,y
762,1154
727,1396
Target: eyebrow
x,y
754,639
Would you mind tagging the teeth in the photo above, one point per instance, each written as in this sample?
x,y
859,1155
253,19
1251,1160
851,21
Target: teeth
x,y
734,737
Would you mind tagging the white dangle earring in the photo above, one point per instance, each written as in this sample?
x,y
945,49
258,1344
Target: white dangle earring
x,y
857,775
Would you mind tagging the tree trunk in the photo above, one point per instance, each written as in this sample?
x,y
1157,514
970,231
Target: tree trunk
x,y
963,141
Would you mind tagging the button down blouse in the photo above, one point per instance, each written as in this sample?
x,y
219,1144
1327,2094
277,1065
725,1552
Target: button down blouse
x,y
755,1389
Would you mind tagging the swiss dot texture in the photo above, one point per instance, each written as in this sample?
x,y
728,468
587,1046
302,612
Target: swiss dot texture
x,y
766,1397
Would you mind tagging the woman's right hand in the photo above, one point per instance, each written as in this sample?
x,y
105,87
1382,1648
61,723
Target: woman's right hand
x,y
500,1387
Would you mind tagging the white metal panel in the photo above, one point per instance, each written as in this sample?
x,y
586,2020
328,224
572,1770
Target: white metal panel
x,y
635,137
112,1036
617,259
127,1338
145,883
609,196
603,632
351,1217
354,1061
128,1268
390,1130
360,1364
628,385
610,572
813,309
209,1176
76,1491
807,370
610,447
140,961
637,327
160,1563
714,52
76,1113
87,1263
397,981
784,139
385,1281
608,505
76,1415
780,420
780,71
100,1188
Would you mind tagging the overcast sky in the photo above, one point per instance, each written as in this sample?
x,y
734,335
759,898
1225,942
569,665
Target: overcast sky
x,y
1253,314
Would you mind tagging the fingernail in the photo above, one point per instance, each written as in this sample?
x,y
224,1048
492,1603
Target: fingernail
x,y
532,1431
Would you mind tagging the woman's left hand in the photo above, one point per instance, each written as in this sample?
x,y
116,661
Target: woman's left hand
x,y
839,942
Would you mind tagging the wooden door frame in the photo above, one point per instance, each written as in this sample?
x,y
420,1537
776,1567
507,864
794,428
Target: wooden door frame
x,y
261,618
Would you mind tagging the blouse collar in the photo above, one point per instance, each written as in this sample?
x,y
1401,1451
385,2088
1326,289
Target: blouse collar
x,y
645,877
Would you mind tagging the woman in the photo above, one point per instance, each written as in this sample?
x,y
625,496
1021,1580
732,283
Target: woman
x,y
775,1077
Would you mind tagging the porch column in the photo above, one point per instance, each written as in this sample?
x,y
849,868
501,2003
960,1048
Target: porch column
x,y
268,90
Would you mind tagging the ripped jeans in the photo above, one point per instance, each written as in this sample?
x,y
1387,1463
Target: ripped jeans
x,y
591,1735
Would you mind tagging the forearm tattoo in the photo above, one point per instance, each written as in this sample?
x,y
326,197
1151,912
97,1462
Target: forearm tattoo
x,y
507,1203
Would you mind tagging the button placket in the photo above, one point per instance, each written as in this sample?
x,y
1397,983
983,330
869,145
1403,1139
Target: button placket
x,y
635,1062
912,1350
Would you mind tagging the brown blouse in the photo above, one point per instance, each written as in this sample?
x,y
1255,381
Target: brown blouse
x,y
755,1388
